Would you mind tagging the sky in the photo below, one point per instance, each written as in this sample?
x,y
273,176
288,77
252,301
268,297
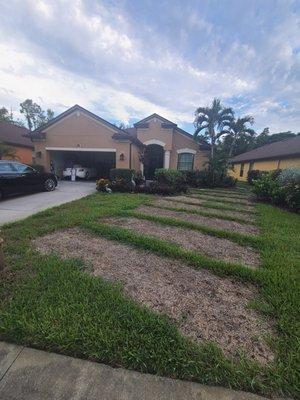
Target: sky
x,y
126,59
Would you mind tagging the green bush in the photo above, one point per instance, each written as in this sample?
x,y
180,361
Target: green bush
x,y
175,180
290,179
254,175
121,173
279,187
289,175
122,179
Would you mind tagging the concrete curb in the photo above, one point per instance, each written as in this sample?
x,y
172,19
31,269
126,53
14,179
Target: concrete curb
x,y
30,374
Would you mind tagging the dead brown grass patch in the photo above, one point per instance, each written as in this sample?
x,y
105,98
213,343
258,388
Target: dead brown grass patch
x,y
164,202
199,219
189,239
204,307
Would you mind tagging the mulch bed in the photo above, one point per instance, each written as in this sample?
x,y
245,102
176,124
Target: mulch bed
x,y
204,307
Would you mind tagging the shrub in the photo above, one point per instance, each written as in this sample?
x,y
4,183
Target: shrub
x,y
290,179
266,188
121,180
289,175
102,184
171,178
139,178
279,187
292,196
226,181
254,175
121,173
157,188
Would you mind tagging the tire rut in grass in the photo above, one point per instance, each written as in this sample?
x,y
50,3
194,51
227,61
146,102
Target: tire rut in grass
x,y
203,306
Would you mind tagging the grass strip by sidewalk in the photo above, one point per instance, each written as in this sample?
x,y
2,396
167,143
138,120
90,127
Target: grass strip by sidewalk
x,y
239,238
206,214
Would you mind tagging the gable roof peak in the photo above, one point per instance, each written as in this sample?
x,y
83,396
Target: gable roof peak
x,y
154,115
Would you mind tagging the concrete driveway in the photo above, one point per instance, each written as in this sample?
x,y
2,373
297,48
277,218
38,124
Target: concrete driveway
x,y
16,208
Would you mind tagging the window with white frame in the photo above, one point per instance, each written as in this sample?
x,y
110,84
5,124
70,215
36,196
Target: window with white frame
x,y
185,161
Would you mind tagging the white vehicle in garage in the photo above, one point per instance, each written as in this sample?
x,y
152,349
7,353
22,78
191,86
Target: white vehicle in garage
x,y
80,172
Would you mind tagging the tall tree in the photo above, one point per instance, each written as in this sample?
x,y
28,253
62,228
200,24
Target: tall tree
x,y
239,128
212,122
34,114
5,115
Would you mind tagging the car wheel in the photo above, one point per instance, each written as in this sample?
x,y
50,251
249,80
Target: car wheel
x,y
49,185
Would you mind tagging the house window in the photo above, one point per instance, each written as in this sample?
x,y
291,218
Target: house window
x,y
251,166
242,169
185,161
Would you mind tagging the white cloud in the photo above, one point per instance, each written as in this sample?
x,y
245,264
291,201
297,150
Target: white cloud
x,y
102,57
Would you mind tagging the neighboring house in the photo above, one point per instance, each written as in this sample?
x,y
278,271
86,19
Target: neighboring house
x,y
78,136
13,136
277,155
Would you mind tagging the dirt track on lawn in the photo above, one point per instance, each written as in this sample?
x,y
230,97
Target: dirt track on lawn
x,y
203,306
174,204
199,219
189,239
196,200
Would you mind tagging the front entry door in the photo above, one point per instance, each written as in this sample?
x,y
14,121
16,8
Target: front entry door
x,y
153,159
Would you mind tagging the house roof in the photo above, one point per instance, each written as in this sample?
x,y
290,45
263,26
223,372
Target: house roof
x,y
142,121
169,124
14,135
284,148
69,111
120,134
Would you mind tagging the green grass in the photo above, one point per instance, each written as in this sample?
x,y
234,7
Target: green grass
x,y
54,304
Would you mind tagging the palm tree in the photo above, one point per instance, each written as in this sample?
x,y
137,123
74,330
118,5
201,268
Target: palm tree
x,y
212,122
238,129
6,151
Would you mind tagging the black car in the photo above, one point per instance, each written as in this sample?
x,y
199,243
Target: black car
x,y
17,178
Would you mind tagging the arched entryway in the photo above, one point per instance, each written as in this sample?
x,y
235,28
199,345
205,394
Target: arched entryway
x,y
153,159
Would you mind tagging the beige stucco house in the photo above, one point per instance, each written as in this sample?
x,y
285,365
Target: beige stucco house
x,y
81,137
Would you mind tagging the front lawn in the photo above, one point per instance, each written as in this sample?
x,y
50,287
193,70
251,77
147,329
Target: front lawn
x,y
55,304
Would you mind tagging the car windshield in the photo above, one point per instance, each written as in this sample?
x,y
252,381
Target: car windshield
x,y
6,167
23,168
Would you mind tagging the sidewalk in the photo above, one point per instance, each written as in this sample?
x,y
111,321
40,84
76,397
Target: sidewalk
x,y
29,374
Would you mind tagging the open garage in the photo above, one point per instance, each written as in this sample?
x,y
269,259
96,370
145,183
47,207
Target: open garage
x,y
100,161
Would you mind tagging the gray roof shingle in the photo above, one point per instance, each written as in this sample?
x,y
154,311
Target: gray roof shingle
x,y
14,135
284,148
